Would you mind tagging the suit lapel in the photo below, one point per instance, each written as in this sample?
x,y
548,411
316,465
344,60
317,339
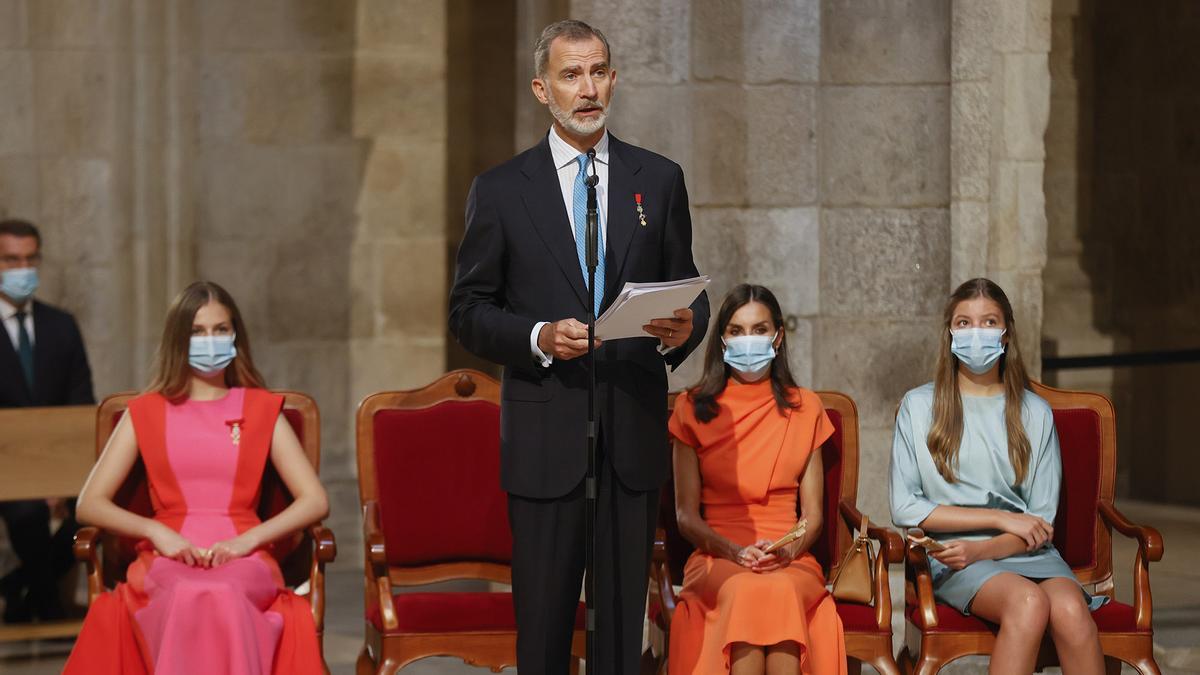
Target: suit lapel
x,y
42,352
544,204
622,212
10,363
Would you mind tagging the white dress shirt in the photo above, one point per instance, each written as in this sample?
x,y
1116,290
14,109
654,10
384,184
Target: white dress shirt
x,y
8,312
566,163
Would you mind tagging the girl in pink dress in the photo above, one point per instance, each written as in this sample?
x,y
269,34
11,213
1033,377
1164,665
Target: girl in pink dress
x,y
203,596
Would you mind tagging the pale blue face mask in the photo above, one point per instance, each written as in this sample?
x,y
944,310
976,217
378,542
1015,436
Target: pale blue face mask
x,y
19,283
977,348
210,354
750,355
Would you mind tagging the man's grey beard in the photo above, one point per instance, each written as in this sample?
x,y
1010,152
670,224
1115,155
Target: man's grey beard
x,y
580,127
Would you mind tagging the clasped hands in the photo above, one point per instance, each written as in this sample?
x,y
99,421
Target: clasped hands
x,y
567,339
171,544
752,556
1034,531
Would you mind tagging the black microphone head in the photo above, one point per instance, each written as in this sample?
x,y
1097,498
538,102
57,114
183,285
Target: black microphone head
x,y
591,153
592,180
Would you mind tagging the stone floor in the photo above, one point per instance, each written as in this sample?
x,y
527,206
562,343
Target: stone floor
x,y
1175,581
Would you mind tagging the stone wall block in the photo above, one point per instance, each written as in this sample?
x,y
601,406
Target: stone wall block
x,y
74,99
874,472
317,368
1026,105
969,227
885,146
319,24
654,117
412,293
240,25
878,41
16,105
885,263
400,174
396,362
308,290
1018,217
80,23
77,211
759,41
290,98
971,39
778,248
1022,26
402,25
14,24
18,187
970,140
149,24
393,96
719,145
649,40
875,361
320,182
1031,216
1024,291
244,269
782,140
220,106
800,349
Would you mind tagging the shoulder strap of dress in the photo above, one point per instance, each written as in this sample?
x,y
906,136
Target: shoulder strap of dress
x,y
148,413
260,410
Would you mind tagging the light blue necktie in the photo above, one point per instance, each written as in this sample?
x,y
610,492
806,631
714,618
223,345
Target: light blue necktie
x,y
579,206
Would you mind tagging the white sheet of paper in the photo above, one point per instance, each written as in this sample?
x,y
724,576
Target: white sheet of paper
x,y
638,303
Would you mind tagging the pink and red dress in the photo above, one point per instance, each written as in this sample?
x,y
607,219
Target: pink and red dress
x,y
236,618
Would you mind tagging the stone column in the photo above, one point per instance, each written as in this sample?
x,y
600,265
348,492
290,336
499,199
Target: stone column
x,y
1000,102
885,253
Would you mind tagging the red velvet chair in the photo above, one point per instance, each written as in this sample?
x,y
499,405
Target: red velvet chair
x,y
867,628
302,557
936,634
433,510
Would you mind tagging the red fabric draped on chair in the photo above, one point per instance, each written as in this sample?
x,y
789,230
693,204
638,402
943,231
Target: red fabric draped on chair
x,y
433,510
936,634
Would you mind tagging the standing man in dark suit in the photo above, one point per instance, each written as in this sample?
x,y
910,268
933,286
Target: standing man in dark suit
x,y
519,299
42,363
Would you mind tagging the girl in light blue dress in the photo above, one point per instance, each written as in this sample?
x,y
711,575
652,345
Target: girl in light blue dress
x,y
975,464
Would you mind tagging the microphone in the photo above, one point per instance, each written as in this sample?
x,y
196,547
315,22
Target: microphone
x,y
593,218
592,180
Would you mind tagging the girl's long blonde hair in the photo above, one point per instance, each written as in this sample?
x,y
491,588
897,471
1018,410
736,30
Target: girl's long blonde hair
x,y
945,434
171,369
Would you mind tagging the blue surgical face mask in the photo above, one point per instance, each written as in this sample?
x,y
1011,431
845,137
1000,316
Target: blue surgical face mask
x,y
750,355
210,354
977,348
19,283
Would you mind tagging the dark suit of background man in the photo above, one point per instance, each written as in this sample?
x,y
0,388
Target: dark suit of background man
x,y
519,297
42,363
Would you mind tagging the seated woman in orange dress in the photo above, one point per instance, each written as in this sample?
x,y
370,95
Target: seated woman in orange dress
x,y
203,596
745,438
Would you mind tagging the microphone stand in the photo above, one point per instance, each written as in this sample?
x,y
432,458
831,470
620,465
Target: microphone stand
x,y
590,492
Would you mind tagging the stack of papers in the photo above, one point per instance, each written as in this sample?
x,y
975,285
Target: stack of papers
x,y
637,304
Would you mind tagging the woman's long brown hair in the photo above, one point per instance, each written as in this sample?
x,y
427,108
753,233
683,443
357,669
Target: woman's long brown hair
x,y
945,434
716,373
171,369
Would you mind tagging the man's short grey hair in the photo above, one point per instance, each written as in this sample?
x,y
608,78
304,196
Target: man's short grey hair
x,y
567,29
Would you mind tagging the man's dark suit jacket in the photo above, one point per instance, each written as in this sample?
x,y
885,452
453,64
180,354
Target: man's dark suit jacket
x,y
61,375
518,265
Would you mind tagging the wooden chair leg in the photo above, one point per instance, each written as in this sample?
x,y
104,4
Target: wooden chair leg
x,y
884,665
364,665
1146,666
388,667
574,670
905,661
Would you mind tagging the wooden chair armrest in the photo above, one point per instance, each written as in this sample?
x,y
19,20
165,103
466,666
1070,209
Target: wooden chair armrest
x,y
87,550
377,566
324,551
918,570
1149,540
1150,549
891,545
660,573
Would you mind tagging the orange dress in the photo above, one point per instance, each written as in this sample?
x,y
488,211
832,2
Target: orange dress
x,y
168,618
751,461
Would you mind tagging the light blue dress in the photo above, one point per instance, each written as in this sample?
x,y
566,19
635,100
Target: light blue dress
x,y
984,479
